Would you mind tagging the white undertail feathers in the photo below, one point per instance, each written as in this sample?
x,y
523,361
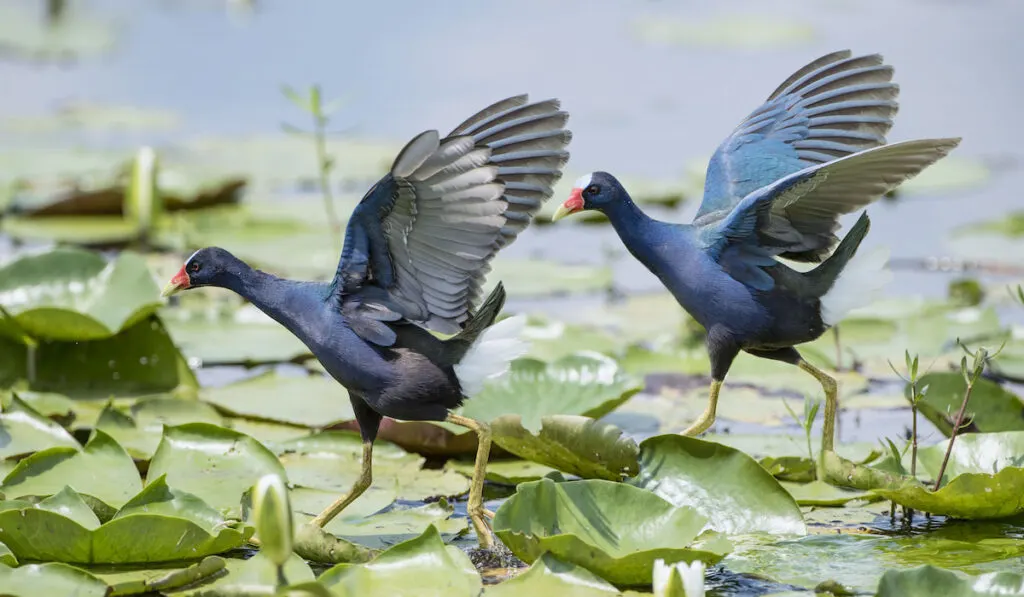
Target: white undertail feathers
x,y
489,357
857,285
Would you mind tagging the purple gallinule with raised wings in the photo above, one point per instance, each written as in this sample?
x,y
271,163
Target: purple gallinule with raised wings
x,y
815,150
417,248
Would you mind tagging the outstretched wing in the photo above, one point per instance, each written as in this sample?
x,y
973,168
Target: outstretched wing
x,y
831,108
799,214
426,232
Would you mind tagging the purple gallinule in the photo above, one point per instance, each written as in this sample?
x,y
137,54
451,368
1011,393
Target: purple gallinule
x,y
417,248
815,150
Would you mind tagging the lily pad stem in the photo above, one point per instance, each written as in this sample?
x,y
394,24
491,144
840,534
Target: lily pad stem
x,y
979,365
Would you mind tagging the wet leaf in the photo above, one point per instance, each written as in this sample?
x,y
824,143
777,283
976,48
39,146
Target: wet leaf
x,y
614,530
819,493
724,485
551,576
74,295
245,577
507,472
423,565
246,336
212,462
52,578
992,407
399,524
975,453
24,431
6,557
159,524
140,431
572,444
91,231
102,470
971,496
538,277
274,397
587,384
929,581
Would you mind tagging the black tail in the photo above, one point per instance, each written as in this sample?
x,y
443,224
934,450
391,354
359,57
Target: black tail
x,y
824,276
457,345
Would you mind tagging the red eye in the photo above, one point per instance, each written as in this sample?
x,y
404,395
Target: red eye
x,y
194,267
593,189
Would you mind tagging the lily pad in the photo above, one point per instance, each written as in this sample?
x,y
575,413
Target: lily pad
x,y
423,566
51,578
91,231
551,340
614,530
506,472
75,295
725,485
140,431
246,337
983,453
929,581
539,277
551,576
159,524
949,175
24,34
992,407
971,496
245,577
214,463
102,470
400,523
6,557
310,400
24,431
572,444
587,384
819,493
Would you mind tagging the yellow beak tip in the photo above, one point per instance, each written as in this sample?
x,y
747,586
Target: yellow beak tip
x,y
170,289
560,213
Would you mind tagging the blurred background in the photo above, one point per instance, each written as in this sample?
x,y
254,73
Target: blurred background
x,y
652,88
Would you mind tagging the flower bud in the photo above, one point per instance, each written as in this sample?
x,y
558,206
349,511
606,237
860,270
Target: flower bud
x,y
272,512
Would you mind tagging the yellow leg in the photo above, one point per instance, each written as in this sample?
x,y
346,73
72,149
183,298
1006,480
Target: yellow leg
x,y
828,383
708,418
475,507
361,485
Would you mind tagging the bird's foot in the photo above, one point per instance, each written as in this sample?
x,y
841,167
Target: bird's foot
x,y
480,524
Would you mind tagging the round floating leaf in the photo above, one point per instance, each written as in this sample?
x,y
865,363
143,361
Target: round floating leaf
x,y
506,472
551,576
950,174
6,557
423,566
971,496
614,530
212,462
24,431
975,453
537,277
588,384
140,432
79,34
102,470
928,581
274,397
241,338
88,231
992,407
52,578
69,294
246,577
819,493
399,524
576,445
725,485
552,340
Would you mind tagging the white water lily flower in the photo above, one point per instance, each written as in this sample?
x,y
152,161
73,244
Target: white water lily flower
x,y
679,579
273,516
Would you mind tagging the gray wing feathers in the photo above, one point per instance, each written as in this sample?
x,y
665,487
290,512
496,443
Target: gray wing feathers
x,y
462,198
803,218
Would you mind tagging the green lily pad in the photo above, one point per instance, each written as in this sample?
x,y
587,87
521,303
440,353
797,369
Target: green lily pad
x,y
929,581
24,34
539,277
307,502
724,485
572,444
399,523
102,470
321,400
552,340
6,557
91,231
975,453
214,463
24,431
51,578
423,566
733,31
819,493
166,577
246,337
614,530
551,576
971,496
587,384
992,407
254,575
949,175
75,295
140,431
159,524
99,117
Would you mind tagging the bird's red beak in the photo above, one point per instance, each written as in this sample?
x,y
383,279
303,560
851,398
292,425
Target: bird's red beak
x,y
179,282
572,205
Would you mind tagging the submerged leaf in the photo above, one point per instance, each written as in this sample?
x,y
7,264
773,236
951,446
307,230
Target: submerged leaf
x,y
614,530
32,580
274,397
929,581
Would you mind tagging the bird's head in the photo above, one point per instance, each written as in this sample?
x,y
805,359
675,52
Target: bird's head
x,y
597,190
211,266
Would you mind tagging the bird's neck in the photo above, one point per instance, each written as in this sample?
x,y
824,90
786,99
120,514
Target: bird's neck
x,y
629,221
279,298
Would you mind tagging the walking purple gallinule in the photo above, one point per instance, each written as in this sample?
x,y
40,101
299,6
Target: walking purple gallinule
x,y
417,248
815,150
